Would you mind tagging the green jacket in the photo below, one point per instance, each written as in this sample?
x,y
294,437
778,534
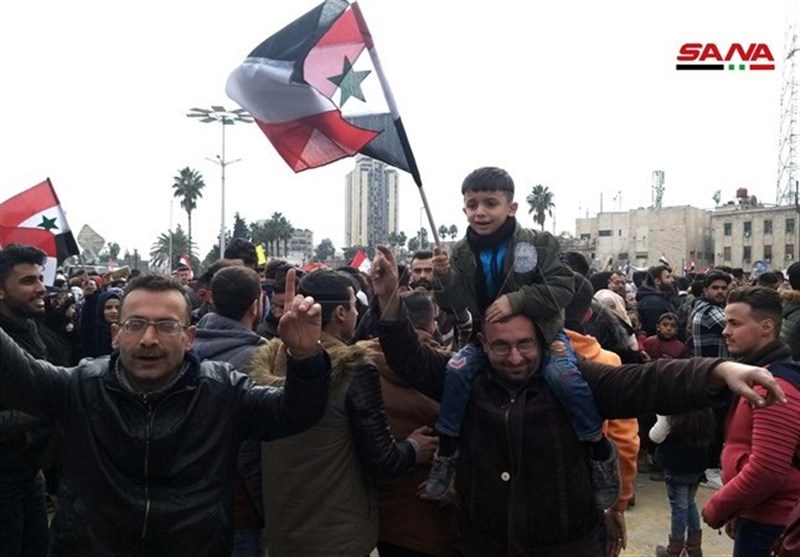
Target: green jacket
x,y
538,283
790,327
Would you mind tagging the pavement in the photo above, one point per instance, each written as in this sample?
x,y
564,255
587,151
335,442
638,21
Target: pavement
x,y
648,521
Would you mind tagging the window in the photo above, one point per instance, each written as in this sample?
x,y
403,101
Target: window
x,y
768,253
619,232
604,233
748,228
768,226
726,256
789,251
746,253
727,229
790,226
586,236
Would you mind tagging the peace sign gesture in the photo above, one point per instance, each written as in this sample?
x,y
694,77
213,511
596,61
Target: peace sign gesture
x,y
300,325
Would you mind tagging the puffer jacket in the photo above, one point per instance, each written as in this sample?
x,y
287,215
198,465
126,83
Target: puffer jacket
x,y
320,495
790,324
523,476
152,475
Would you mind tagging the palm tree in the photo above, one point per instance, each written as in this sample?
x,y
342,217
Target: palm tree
x,y
540,201
160,250
188,186
285,230
443,232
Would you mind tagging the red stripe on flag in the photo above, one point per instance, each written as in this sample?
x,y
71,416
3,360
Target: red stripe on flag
x,y
26,204
36,237
762,66
316,140
366,36
358,259
343,31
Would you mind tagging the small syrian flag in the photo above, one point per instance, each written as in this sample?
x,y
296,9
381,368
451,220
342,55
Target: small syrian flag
x,y
361,262
317,91
34,217
184,260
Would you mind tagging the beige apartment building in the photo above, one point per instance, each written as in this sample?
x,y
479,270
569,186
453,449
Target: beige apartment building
x,y
371,203
745,235
640,237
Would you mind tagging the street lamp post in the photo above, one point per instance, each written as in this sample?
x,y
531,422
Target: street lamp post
x,y
226,118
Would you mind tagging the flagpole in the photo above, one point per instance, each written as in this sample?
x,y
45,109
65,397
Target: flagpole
x,y
398,123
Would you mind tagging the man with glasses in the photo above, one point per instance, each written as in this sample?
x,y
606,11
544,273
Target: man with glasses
x,y
523,477
152,434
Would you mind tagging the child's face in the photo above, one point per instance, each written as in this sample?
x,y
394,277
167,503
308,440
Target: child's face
x,y
487,210
667,328
111,310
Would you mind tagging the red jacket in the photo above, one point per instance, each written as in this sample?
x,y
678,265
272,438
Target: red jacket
x,y
760,480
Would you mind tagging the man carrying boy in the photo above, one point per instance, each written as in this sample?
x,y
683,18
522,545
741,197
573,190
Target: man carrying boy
x,y
502,269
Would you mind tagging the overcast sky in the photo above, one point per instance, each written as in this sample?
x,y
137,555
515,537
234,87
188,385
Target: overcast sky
x,y
581,96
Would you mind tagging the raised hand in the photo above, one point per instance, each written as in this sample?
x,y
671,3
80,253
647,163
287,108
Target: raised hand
x,y
441,261
300,325
384,274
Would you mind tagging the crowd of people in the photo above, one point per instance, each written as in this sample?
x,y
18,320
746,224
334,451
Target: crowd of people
x,y
495,398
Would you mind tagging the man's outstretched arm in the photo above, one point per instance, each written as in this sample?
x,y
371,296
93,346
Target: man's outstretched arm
x,y
674,386
29,385
419,365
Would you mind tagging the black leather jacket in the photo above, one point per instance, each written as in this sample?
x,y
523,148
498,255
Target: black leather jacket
x,y
23,438
151,475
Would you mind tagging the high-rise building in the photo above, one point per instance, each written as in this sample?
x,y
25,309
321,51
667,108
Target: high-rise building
x,y
371,203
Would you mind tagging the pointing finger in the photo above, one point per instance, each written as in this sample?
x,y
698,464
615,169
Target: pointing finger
x,y
291,279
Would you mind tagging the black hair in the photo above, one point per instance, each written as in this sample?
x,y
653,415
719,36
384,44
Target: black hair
x,y
489,178
714,276
328,288
794,275
234,289
765,303
419,307
654,273
667,316
16,254
599,280
204,281
696,429
153,282
638,278
239,248
581,301
770,279
422,254
576,261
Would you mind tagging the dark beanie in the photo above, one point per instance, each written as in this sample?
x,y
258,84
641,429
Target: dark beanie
x,y
581,301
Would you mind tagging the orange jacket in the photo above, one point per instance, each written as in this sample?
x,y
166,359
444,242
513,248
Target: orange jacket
x,y
625,433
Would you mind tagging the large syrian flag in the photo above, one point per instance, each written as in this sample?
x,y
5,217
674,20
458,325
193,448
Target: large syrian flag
x,y
317,91
34,217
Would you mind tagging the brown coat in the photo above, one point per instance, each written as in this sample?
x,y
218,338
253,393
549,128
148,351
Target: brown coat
x,y
406,520
317,503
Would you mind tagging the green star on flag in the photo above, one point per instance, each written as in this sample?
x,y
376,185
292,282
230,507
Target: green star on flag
x,y
349,82
48,224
